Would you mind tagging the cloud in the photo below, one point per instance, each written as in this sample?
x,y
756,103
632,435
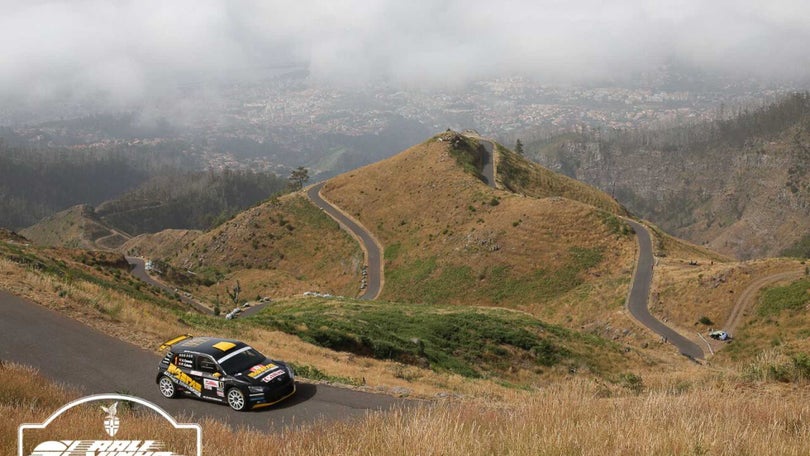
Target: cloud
x,y
128,50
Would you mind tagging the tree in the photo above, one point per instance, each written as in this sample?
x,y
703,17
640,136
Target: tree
x,y
298,177
519,147
235,294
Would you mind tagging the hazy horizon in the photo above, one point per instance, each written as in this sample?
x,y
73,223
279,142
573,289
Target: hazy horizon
x,y
120,53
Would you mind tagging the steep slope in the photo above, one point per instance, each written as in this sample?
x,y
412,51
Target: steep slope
x,y
161,244
739,186
77,227
283,247
449,238
521,176
176,201
197,200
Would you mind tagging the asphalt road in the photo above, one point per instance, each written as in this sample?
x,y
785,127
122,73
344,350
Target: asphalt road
x,y
371,248
488,169
638,298
70,352
139,271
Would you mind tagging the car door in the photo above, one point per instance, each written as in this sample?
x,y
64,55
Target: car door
x,y
181,369
210,377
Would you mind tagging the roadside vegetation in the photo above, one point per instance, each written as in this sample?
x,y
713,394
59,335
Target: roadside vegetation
x,y
458,350
705,414
471,342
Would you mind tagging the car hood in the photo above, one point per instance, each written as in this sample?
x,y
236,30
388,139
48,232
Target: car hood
x,y
264,373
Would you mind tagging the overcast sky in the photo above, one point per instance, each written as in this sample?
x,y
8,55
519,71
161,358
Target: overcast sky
x,y
127,50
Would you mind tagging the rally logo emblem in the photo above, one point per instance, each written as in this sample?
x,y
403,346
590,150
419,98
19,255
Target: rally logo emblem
x,y
111,422
151,432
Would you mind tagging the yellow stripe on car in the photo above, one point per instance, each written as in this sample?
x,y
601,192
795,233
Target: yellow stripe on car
x,y
173,341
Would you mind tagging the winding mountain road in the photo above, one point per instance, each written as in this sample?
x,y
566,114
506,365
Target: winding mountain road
x,y
138,265
69,352
638,298
371,247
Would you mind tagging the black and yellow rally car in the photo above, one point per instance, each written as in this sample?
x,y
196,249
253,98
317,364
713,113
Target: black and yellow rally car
x,y
223,370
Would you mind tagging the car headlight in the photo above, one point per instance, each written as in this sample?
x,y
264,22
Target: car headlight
x,y
256,389
290,372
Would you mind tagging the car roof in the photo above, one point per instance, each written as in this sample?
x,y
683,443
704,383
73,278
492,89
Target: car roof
x,y
213,346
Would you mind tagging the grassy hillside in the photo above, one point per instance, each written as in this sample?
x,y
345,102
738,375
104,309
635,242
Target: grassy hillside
x,y
779,319
470,351
470,341
77,227
283,247
451,239
161,244
519,175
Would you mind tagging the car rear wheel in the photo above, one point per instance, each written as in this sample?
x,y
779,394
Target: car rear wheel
x,y
166,387
237,400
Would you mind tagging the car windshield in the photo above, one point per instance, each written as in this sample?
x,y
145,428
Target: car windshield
x,y
242,361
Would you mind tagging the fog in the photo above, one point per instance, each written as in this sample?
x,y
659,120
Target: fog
x,y
125,51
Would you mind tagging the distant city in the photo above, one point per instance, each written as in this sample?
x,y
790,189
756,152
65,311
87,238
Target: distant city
x,y
289,120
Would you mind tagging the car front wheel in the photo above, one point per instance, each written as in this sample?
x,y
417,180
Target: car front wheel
x,y
167,389
237,400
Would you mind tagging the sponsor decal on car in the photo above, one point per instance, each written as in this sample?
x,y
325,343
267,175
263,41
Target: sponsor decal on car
x,y
185,360
273,375
48,439
259,369
183,378
211,384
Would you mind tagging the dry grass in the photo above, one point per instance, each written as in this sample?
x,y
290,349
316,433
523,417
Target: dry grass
x,y
147,325
75,227
685,293
283,247
719,414
20,403
159,245
526,177
449,238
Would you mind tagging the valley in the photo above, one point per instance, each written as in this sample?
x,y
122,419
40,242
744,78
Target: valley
x,y
490,289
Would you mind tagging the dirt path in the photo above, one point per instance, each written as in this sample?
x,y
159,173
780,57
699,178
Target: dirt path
x,y
747,297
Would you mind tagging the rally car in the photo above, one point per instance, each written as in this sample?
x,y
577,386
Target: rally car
x,y
223,370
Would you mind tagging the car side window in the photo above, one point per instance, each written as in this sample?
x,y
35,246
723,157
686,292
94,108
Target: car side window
x,y
206,364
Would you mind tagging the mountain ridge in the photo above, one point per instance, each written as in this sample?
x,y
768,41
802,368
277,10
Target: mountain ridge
x,y
739,186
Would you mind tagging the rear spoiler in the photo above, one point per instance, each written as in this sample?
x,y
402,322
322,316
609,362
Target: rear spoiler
x,y
173,341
